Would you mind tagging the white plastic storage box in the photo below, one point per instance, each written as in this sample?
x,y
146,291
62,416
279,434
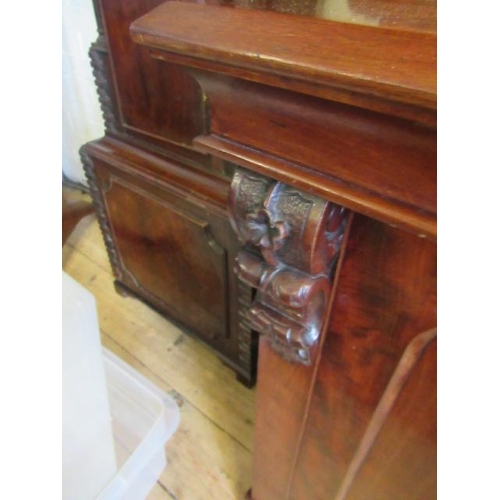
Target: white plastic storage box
x,y
143,420
115,421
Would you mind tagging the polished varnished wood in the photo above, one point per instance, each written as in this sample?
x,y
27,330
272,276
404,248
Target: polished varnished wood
x,y
318,57
404,430
214,441
356,161
292,241
385,298
294,97
161,204
283,400
361,423
123,72
145,107
173,251
373,131
346,113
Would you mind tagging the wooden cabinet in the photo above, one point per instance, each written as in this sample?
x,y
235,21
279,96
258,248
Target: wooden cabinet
x,y
332,127
171,246
361,422
162,205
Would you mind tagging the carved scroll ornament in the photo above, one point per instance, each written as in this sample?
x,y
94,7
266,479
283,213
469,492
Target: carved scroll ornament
x,y
291,241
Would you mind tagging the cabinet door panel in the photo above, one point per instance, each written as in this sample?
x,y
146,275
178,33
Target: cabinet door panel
x,y
169,241
385,298
402,463
170,256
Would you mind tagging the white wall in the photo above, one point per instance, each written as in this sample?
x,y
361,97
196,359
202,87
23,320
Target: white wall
x,y
81,114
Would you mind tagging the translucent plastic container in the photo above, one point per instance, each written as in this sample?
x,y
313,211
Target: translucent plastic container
x,y
88,454
115,421
143,420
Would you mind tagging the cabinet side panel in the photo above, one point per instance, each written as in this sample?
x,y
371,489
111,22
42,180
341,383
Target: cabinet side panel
x,y
386,296
154,98
403,462
282,393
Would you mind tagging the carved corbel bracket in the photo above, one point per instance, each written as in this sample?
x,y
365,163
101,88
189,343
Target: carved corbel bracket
x,y
291,240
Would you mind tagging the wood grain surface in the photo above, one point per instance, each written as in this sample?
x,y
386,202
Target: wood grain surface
x,y
386,296
346,112
392,64
215,439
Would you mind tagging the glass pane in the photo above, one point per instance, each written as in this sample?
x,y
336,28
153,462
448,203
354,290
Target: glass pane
x,y
416,15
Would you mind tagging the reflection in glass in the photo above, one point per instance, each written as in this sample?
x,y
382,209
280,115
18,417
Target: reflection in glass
x,y
416,15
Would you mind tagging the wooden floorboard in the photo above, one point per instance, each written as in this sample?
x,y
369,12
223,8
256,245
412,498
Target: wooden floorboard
x,y
210,455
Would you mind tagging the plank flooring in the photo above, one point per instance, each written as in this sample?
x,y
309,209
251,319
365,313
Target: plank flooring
x,y
210,455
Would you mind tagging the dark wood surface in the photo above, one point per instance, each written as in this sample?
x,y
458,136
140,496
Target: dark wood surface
x,y
169,243
328,431
357,156
161,203
315,56
287,106
158,108
341,111
292,243
405,447
348,113
385,298
154,100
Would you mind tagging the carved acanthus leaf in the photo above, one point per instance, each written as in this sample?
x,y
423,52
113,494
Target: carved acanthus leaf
x,y
292,240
